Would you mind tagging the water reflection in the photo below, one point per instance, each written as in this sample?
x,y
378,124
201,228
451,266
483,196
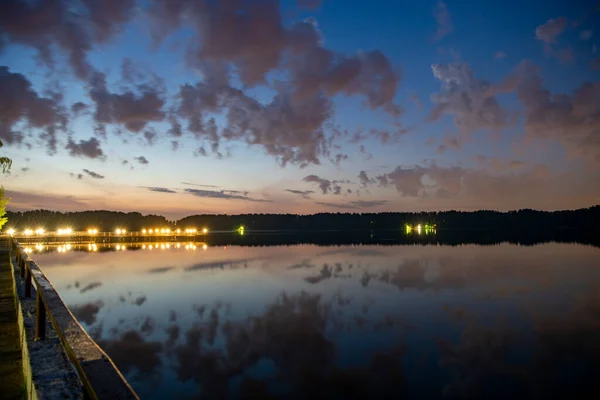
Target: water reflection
x,y
339,321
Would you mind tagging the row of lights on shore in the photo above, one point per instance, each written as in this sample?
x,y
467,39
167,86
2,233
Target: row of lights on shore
x,y
118,231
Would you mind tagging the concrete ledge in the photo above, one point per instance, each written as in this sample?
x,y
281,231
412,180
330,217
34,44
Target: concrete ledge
x,y
47,371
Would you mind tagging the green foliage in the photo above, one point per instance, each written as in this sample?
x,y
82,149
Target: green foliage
x,y
3,202
5,163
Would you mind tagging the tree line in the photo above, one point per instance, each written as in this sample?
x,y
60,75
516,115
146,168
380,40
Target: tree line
x,y
522,220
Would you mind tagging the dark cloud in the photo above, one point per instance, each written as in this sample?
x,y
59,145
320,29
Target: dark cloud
x,y
131,351
339,158
150,136
309,4
78,107
570,119
161,189
549,31
87,313
139,300
62,26
354,205
78,176
564,55
160,270
324,184
251,39
85,148
90,286
364,178
142,160
20,104
303,193
443,19
199,185
223,194
131,109
470,101
93,174
325,273
174,145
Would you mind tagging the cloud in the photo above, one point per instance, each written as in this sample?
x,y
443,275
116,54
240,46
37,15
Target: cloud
x,y
21,104
243,43
442,17
309,4
569,119
161,190
90,286
199,185
470,101
251,40
131,109
140,300
324,184
364,178
512,186
303,193
499,55
131,352
595,64
564,55
93,174
223,194
150,136
87,313
78,107
497,164
354,205
549,31
85,148
142,160
586,35
59,26
160,270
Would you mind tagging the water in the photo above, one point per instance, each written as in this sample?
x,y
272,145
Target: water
x,y
352,321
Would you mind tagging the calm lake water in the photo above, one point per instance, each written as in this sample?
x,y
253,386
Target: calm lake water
x,y
361,321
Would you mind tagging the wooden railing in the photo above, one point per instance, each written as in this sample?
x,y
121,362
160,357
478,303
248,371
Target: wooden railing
x,y
100,377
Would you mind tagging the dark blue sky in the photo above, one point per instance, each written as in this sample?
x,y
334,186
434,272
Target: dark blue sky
x,y
259,106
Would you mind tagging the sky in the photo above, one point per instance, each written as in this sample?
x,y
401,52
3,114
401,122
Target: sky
x,y
180,107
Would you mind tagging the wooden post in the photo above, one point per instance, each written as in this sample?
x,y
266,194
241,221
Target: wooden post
x,y
21,266
27,281
40,317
